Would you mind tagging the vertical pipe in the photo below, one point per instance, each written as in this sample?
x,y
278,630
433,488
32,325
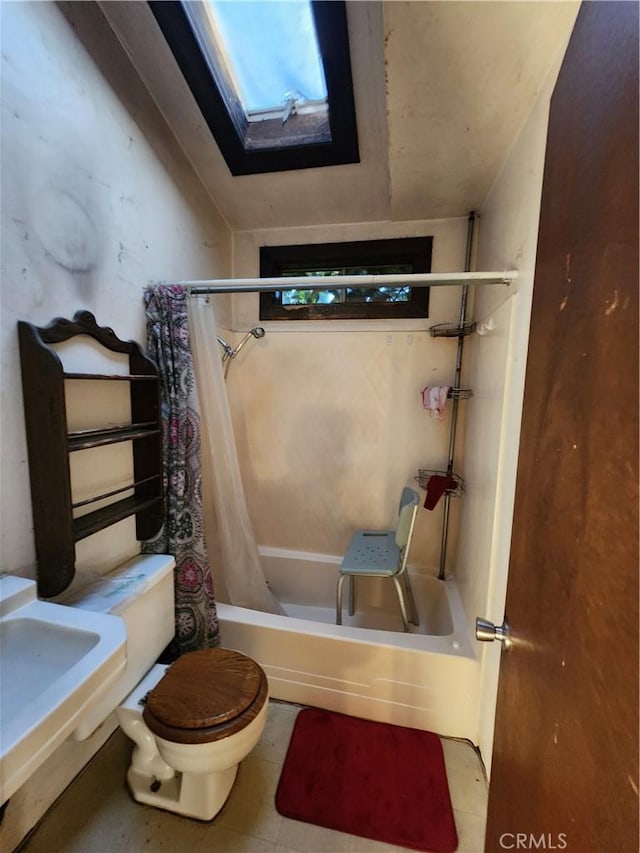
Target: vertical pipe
x,y
455,402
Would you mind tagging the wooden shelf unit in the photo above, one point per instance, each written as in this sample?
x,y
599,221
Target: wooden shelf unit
x,y
49,444
83,439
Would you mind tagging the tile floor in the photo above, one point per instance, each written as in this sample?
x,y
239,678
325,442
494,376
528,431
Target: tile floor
x,y
97,815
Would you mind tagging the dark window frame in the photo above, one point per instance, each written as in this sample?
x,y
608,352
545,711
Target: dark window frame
x,y
331,27
277,260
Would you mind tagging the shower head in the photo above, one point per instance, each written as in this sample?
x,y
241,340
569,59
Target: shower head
x,y
256,332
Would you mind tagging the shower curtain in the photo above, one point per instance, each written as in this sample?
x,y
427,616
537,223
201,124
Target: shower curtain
x,y
239,566
182,533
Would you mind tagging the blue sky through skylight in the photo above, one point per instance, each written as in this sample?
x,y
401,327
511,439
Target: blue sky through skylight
x,y
273,49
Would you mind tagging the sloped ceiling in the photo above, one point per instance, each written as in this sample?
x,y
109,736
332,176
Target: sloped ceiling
x,y
461,79
441,90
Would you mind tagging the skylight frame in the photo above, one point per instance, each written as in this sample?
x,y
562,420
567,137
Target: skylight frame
x,y
246,145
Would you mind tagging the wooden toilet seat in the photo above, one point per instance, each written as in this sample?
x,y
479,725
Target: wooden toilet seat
x,y
206,696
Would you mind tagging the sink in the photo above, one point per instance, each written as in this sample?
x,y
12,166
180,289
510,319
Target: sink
x,y
56,662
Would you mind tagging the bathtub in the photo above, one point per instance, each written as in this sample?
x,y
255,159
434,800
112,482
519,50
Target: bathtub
x,y
368,667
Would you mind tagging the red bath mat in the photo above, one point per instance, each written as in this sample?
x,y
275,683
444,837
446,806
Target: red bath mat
x,y
369,779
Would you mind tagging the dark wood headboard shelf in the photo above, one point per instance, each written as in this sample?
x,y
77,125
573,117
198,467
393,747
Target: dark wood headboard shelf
x,y
117,376
50,442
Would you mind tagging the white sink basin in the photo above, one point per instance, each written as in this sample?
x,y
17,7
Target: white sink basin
x,y
55,662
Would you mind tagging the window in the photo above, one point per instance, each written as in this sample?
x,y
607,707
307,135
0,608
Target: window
x,y
376,257
272,79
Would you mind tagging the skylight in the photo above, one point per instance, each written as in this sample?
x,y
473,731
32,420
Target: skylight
x,y
272,78
272,52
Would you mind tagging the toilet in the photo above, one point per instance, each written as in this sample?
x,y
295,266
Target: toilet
x,y
192,722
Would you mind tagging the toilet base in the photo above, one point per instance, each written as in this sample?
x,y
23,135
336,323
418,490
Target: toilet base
x,y
195,795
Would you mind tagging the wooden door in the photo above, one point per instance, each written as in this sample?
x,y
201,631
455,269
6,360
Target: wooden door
x,y
565,766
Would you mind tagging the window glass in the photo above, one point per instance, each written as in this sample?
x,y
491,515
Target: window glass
x,y
350,294
368,257
272,50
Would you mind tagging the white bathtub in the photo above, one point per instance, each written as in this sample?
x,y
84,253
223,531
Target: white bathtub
x,y
427,679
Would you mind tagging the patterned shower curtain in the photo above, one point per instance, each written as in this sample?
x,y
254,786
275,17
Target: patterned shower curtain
x,y
182,534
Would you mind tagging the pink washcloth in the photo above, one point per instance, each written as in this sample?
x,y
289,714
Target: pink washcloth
x,y
435,399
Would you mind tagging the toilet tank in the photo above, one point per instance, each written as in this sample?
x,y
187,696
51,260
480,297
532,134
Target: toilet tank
x,y
141,592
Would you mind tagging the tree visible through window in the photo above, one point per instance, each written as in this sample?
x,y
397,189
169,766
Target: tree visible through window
x,y
369,257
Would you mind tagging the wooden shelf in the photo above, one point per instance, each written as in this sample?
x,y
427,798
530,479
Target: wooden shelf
x,y
97,520
50,443
84,439
128,488
124,377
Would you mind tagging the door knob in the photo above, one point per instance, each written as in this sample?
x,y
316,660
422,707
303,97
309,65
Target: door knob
x,y
487,632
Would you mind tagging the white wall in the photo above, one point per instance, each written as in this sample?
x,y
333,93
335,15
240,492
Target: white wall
x,y
495,370
328,414
97,200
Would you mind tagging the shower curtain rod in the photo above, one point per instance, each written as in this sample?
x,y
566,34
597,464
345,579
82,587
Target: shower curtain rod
x,y
336,282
